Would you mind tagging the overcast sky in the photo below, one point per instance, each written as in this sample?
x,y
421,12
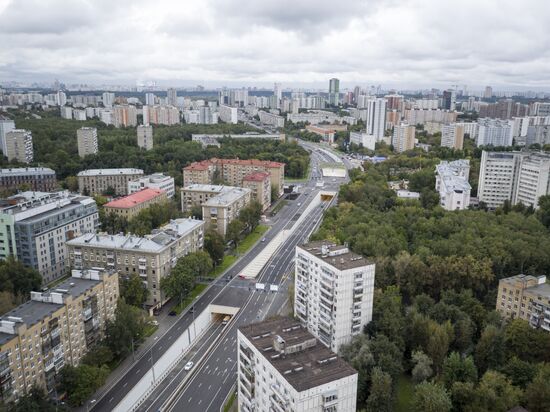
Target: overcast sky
x,y
395,43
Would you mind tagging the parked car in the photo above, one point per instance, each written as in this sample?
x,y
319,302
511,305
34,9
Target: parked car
x,y
172,313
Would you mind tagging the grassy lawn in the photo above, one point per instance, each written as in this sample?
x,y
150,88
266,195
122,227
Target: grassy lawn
x,y
229,403
187,301
404,394
279,206
227,261
149,330
251,238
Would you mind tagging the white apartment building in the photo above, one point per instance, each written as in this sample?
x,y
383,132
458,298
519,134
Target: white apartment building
x,y
19,146
145,136
108,99
86,138
333,292
497,177
452,136
66,112
495,132
228,114
368,141
533,179
271,119
154,181
470,128
79,115
403,137
97,181
421,116
283,367
451,181
376,118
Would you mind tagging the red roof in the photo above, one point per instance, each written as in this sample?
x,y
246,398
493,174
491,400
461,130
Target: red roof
x,y
257,176
134,199
203,165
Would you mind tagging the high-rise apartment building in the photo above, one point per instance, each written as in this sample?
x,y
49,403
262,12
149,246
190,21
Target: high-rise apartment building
x,y
334,92
39,179
19,146
108,99
278,93
150,99
165,115
152,257
376,118
35,225
333,292
533,179
86,138
403,137
98,181
172,97
448,101
283,367
54,328
452,136
6,125
271,119
145,137
124,115
525,297
488,93
154,181
228,114
494,132
451,182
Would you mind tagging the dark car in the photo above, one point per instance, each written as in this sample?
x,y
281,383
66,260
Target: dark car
x,y
173,313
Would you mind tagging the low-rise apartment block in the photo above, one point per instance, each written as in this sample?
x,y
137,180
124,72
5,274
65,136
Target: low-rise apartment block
x,y
55,328
197,194
152,257
220,210
39,179
333,291
35,225
451,181
19,146
271,119
368,141
232,171
154,181
260,185
98,181
525,297
129,206
283,367
86,138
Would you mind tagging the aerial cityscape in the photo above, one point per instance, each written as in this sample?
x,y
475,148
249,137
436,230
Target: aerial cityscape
x,y
247,206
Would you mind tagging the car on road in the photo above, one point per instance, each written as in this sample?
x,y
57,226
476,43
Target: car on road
x,y
172,313
154,322
263,240
188,366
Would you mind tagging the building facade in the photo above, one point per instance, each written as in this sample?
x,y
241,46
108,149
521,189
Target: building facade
x,y
403,137
220,210
129,206
86,138
228,114
55,328
154,181
6,125
363,139
152,257
145,137
525,297
260,185
271,119
376,118
495,132
19,146
98,181
333,292
452,136
283,367
35,225
451,182
39,179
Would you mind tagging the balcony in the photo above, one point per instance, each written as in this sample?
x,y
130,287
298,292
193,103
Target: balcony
x,y
87,314
49,365
278,392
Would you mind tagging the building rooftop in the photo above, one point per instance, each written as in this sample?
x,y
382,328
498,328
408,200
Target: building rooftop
x,y
297,355
24,171
135,199
534,284
110,172
154,242
338,256
199,187
256,177
454,175
227,197
205,164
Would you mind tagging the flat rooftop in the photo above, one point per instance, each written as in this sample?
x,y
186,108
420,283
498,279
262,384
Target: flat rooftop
x,y
25,171
304,369
199,187
135,199
110,172
227,197
338,256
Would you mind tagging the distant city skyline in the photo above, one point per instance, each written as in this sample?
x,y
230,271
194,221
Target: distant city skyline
x,y
397,44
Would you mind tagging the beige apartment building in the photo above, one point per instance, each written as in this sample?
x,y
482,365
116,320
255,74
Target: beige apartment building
x,y
197,194
129,206
232,171
152,257
260,185
55,328
19,145
525,297
97,181
86,138
220,210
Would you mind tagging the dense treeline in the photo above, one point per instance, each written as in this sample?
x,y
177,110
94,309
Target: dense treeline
x,y
436,280
54,141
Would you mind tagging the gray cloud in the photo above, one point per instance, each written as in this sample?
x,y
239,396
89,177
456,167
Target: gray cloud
x,y
397,43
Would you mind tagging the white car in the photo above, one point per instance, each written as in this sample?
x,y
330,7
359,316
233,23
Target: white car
x,y
188,366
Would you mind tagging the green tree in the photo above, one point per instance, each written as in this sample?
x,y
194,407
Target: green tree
x,y
127,328
98,355
215,246
380,398
34,401
496,393
537,394
133,291
543,212
439,338
17,278
82,381
422,369
235,229
430,397
521,373
489,352
458,369
387,317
